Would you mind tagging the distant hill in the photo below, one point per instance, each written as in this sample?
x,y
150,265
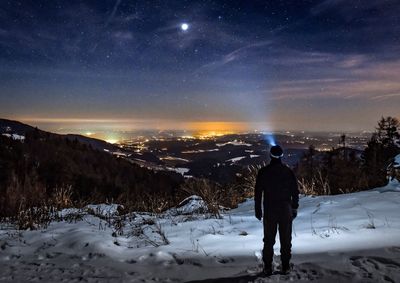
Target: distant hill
x,y
95,143
34,168
15,127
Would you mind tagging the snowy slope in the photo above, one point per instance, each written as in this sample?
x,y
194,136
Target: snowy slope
x,y
353,237
397,161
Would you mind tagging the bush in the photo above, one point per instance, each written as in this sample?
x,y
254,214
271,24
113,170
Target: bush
x,y
209,191
317,185
246,182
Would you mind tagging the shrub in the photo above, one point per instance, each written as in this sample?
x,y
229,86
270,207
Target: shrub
x,y
209,191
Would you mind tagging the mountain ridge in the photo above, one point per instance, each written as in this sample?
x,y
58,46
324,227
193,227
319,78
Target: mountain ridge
x,y
16,127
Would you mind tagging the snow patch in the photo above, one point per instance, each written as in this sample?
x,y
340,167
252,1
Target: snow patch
x,y
192,205
235,142
104,209
200,150
173,158
396,163
179,170
15,137
236,159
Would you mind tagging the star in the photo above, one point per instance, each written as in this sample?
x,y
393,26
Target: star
x,y
184,26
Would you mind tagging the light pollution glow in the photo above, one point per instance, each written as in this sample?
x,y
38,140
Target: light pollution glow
x,y
197,127
100,128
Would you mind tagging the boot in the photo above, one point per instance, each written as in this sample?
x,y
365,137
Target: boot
x,y
285,268
267,271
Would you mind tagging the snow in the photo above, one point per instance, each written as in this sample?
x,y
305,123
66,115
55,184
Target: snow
x,y
397,161
200,150
119,154
393,186
191,205
235,142
352,237
15,137
180,170
236,159
174,158
104,209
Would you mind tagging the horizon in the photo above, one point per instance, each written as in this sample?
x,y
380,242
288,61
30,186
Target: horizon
x,y
200,66
115,135
75,125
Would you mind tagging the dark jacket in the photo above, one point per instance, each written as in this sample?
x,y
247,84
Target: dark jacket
x,y
278,184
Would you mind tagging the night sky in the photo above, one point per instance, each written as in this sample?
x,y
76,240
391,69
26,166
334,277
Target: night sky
x,y
240,65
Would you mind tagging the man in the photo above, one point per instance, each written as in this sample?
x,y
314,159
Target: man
x,y
278,184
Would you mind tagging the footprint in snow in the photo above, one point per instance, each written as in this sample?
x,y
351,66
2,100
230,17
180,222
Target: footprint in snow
x,y
378,269
225,260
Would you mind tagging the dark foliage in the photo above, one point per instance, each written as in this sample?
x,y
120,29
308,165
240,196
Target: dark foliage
x,y
32,170
382,147
346,170
333,172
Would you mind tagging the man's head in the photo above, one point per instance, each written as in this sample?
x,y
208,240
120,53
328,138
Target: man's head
x,y
276,152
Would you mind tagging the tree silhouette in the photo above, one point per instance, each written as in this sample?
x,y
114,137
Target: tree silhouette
x,y
380,150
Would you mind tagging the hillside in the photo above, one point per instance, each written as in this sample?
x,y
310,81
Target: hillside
x,y
14,127
37,164
21,129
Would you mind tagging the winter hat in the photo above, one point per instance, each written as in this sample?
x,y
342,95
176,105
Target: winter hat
x,y
276,152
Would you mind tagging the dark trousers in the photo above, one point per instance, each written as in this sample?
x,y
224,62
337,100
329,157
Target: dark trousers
x,y
279,217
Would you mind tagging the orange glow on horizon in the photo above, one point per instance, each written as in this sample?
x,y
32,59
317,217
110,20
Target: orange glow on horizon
x,y
107,129
210,129
162,124
112,141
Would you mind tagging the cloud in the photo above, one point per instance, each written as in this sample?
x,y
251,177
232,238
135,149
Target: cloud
x,y
352,61
345,77
362,89
232,56
274,55
122,35
386,96
114,10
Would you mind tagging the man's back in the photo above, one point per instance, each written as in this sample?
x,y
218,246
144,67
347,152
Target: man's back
x,y
278,184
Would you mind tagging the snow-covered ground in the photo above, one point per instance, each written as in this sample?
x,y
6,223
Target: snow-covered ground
x,y
344,238
396,161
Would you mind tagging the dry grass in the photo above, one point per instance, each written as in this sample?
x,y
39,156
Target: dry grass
x,y
210,192
318,185
248,181
27,204
62,197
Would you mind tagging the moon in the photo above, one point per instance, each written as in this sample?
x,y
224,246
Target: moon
x,y
184,26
